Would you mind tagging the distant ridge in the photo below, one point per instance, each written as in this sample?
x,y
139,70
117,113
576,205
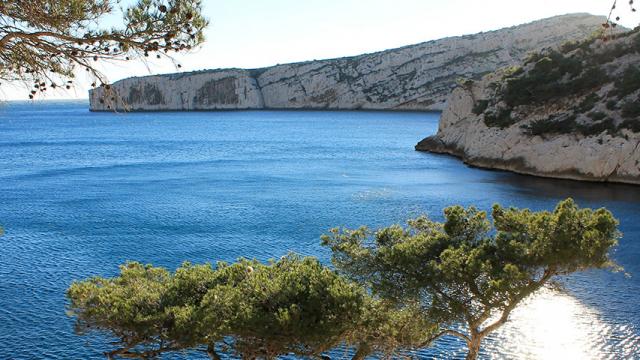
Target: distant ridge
x,y
414,77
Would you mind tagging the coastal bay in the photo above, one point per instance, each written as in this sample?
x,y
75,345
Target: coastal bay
x,y
83,192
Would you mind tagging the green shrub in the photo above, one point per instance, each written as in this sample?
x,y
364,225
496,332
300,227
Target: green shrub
x,y
546,81
567,125
628,83
557,74
502,119
480,106
533,58
588,103
552,125
631,124
561,64
513,71
597,128
569,46
597,115
592,78
464,82
610,54
611,104
631,109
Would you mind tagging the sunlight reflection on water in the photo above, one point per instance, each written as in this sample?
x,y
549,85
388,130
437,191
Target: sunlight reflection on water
x,y
555,325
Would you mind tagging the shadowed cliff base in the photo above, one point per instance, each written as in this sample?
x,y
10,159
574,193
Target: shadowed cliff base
x,y
518,165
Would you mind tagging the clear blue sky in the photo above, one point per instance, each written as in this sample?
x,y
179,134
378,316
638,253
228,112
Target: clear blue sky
x,y
256,33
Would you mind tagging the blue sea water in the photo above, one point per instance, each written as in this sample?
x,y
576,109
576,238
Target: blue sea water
x,y
81,192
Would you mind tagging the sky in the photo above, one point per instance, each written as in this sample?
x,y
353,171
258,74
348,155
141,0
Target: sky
x,y
258,33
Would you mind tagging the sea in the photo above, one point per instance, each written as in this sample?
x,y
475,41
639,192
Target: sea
x,y
82,192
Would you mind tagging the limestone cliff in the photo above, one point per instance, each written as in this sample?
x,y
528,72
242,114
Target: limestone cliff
x,y
569,113
416,77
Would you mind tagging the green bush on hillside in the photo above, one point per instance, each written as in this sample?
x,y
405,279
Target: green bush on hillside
x,y
597,115
533,57
628,82
631,124
553,76
570,46
631,109
588,103
557,125
597,128
610,54
513,71
573,71
592,78
552,125
500,118
480,106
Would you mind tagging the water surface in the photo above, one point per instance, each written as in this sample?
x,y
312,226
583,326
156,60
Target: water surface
x,y
82,192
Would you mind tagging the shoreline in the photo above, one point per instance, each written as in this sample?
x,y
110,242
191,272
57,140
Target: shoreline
x,y
270,109
516,166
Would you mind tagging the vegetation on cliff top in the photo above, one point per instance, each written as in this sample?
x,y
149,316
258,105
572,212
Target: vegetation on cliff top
x,y
602,77
396,289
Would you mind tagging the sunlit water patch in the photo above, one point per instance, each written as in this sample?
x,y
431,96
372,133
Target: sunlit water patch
x,y
555,325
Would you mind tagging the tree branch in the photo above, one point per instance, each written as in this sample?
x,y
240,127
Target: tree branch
x,y
443,333
535,285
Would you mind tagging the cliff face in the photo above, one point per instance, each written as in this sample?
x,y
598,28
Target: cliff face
x,y
417,77
572,113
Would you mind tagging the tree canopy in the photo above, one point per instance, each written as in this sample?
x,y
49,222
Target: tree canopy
x,y
290,306
44,43
466,271
395,289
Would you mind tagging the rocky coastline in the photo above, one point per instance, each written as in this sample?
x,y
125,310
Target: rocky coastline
x,y
413,78
549,119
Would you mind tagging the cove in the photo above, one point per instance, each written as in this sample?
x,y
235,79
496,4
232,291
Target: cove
x,y
82,192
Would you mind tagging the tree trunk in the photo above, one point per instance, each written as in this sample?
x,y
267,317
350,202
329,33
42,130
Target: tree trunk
x,y
211,351
362,352
474,348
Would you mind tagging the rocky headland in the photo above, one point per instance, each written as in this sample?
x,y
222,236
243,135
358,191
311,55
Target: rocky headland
x,y
569,113
417,77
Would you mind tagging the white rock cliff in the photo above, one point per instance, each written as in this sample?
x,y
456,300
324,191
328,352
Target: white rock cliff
x,y
417,77
591,134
